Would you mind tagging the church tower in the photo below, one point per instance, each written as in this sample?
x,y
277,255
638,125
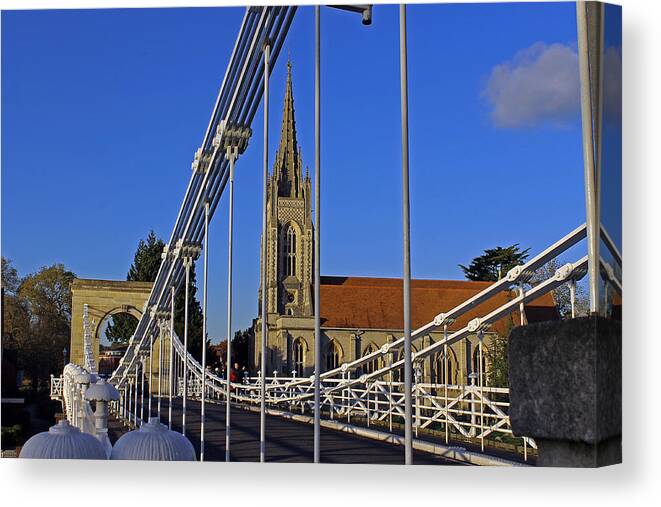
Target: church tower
x,y
289,261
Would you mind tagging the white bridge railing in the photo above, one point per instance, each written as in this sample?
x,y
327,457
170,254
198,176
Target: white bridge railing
x,y
72,386
458,412
476,413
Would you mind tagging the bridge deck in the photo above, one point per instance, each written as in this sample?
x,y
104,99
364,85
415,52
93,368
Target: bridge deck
x,y
286,440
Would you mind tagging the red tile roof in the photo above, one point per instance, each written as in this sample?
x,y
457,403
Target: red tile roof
x,y
377,303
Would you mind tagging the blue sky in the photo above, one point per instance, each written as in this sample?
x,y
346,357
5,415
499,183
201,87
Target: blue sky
x,y
102,111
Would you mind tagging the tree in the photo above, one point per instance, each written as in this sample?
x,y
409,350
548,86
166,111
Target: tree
x,y
47,296
495,263
48,293
10,278
195,317
498,357
147,259
15,312
562,295
146,262
121,327
221,353
241,346
491,266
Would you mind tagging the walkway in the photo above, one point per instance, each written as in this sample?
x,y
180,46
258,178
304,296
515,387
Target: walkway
x,y
286,440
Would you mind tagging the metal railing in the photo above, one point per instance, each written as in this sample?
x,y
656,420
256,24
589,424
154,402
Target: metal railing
x,y
56,387
471,412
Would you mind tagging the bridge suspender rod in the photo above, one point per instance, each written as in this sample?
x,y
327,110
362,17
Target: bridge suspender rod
x,y
135,398
161,334
151,376
262,408
142,387
130,398
317,227
408,408
589,59
187,262
204,325
239,98
204,329
171,359
231,154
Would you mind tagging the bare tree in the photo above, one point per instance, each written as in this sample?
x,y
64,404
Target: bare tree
x,y
562,295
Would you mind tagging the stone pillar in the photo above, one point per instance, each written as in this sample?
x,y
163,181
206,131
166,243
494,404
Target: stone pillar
x,y
355,348
566,390
426,362
467,361
288,340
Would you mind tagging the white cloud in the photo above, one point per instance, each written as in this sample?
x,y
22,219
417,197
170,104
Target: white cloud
x,y
613,85
540,85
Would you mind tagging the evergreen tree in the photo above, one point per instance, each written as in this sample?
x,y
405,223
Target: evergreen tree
x,y
498,357
495,263
194,317
241,346
491,266
147,259
121,327
146,263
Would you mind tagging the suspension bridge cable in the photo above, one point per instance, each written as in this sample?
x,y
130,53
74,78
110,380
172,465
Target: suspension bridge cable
x,y
262,409
317,234
408,412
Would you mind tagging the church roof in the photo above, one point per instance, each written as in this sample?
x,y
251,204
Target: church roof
x,y
377,303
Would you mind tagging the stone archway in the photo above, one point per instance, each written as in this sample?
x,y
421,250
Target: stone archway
x,y
103,298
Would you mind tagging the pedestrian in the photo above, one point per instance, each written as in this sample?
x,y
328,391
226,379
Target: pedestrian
x,y
234,373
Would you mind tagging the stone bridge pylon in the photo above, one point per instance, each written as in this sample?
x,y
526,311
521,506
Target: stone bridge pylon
x,y
104,298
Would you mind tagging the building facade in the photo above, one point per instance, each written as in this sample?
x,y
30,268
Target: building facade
x,y
358,314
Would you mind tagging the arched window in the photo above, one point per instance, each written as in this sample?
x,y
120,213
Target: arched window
x,y
298,356
291,251
374,364
333,355
398,374
475,365
451,367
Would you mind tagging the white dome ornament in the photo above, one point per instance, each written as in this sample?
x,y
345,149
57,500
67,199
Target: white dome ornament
x,y
63,441
153,442
102,393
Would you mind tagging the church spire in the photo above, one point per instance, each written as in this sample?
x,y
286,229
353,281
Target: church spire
x,y
287,167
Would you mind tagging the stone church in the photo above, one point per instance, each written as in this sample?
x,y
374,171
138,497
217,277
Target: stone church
x,y
358,314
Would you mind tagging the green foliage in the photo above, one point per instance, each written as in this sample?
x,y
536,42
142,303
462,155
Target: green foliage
x,y
16,314
10,279
48,293
147,259
11,436
494,263
241,346
121,327
37,318
497,355
146,262
491,266
194,317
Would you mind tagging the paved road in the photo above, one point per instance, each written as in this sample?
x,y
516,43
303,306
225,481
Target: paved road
x,y
287,441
